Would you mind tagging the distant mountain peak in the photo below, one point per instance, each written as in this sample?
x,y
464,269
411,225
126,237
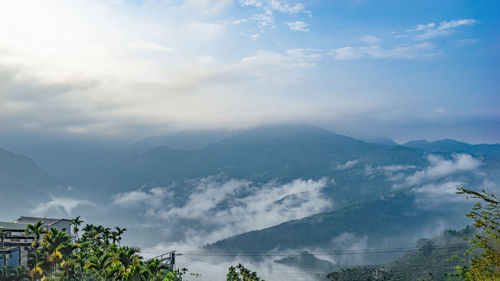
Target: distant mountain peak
x,y
444,145
287,132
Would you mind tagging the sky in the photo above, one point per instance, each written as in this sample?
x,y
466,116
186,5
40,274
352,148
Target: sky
x,y
125,69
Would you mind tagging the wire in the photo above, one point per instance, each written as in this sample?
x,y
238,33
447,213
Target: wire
x,y
326,252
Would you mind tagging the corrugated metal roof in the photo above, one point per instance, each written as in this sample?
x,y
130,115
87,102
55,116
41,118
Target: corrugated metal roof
x,y
46,221
12,225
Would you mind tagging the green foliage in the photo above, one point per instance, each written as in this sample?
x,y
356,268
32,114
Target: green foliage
x,y
361,273
95,256
13,274
3,234
432,257
240,273
428,262
482,260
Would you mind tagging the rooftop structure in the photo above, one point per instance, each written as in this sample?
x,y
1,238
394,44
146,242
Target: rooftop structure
x,y
12,226
48,222
17,244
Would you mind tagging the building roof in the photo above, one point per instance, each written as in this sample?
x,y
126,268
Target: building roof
x,y
46,221
12,225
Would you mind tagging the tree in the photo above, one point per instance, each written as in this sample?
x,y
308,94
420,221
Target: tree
x,y
89,257
3,234
36,230
240,273
482,260
360,273
76,222
118,234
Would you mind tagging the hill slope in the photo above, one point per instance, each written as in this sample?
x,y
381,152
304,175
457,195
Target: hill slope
x,y
397,216
269,153
21,180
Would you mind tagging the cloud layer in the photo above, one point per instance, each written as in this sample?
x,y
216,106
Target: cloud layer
x,y
60,206
221,209
440,168
135,68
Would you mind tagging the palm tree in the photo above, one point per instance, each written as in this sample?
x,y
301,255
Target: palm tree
x,y
54,239
53,243
68,253
156,268
36,230
3,234
80,259
119,232
107,235
114,237
76,222
128,256
100,263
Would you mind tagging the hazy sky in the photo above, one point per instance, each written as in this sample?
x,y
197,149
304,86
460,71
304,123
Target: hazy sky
x,y
129,68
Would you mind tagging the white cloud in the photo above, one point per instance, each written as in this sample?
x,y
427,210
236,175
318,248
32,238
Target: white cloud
x,y
466,42
204,30
444,28
456,23
206,59
216,268
149,46
161,95
267,9
208,6
255,36
263,20
440,168
397,168
298,26
439,189
425,26
274,5
58,204
418,51
347,165
237,206
276,66
392,172
370,39
153,197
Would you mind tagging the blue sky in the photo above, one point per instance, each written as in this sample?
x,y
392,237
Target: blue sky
x,y
366,68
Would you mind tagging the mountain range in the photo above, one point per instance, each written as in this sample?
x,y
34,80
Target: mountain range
x,y
377,193
22,181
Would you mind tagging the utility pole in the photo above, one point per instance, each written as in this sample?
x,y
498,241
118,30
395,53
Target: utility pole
x,y
168,258
172,259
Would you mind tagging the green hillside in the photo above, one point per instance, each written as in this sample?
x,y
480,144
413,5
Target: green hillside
x,y
430,261
395,216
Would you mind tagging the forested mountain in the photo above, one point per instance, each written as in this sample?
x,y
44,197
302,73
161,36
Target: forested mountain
x,y
307,262
297,187
260,155
449,145
387,221
431,260
187,140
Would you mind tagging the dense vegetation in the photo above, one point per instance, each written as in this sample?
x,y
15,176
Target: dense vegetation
x,y
429,261
96,255
397,214
241,273
484,255
479,261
